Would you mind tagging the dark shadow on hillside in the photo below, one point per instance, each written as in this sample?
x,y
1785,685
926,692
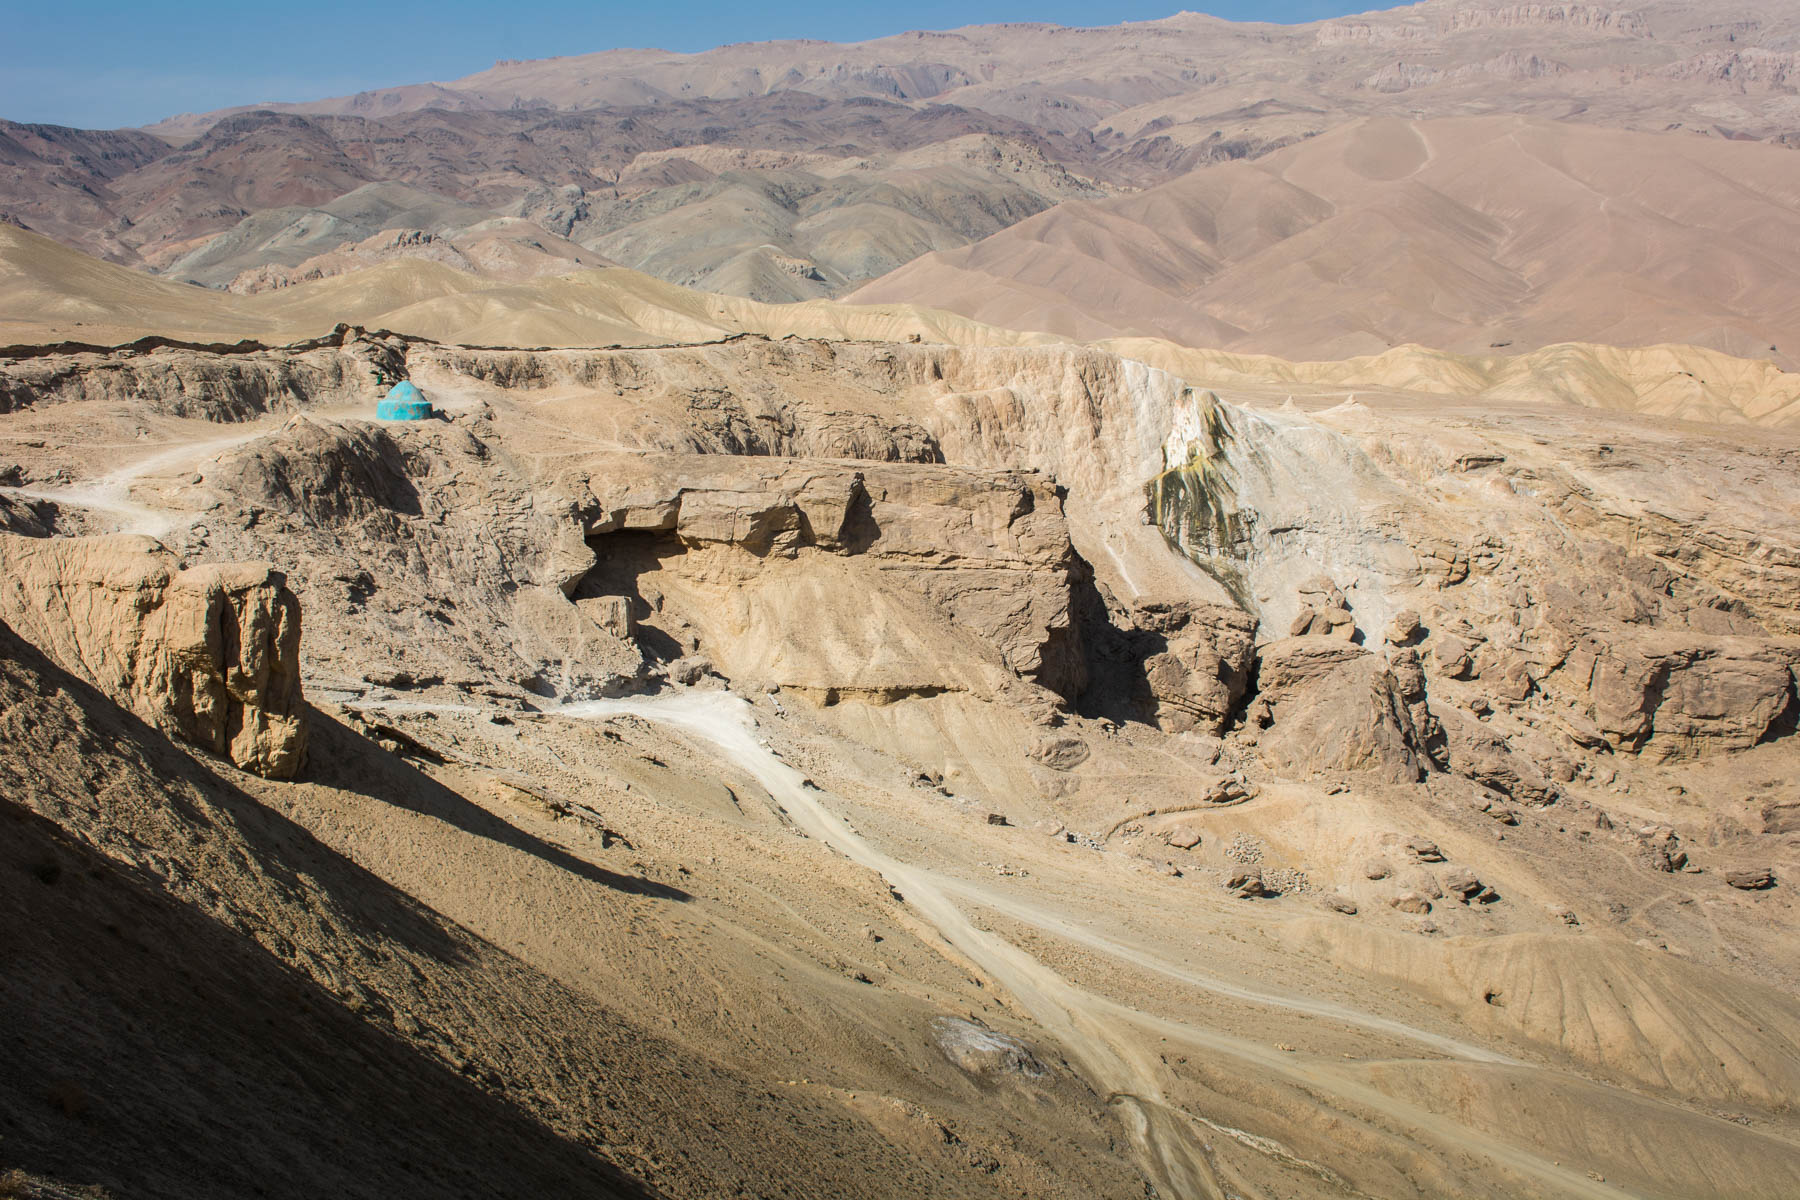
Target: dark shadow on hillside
x,y
339,757
1118,689
155,1040
156,1053
201,800
621,559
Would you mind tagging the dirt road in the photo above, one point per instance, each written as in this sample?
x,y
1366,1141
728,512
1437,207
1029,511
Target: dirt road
x,y
1110,1041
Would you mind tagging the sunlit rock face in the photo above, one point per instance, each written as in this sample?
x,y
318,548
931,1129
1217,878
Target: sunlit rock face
x,y
210,653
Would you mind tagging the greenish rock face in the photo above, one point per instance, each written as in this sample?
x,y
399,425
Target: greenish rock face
x,y
1192,501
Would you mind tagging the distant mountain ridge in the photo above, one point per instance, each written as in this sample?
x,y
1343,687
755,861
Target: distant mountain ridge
x,y
50,293
268,189
1655,59
1466,234
798,170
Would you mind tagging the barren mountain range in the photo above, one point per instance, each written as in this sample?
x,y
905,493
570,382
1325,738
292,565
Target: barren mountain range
x,y
792,170
1467,234
783,196
1160,92
1181,611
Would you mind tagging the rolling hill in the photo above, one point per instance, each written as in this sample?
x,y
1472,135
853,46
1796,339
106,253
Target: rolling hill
x,y
794,170
1469,235
50,293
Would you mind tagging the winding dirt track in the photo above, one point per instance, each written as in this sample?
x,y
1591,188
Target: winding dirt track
x,y
110,494
1110,1041
1050,922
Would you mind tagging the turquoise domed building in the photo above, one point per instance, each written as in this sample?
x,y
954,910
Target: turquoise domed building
x,y
404,402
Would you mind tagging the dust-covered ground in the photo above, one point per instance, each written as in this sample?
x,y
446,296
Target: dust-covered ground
x,y
833,768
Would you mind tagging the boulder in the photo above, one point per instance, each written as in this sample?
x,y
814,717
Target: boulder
x,y
1454,656
1750,879
1334,706
1377,868
1661,849
1460,881
978,1050
1246,882
1226,790
1324,622
1182,837
1411,902
1495,811
1424,849
1321,593
689,670
1063,753
210,654
1202,666
1339,903
1404,629
1509,678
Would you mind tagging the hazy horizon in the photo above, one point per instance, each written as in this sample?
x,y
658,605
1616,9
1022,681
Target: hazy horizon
x,y
134,66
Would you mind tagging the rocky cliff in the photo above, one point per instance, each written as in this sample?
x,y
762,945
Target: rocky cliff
x,y
1564,586
209,654
941,554
803,693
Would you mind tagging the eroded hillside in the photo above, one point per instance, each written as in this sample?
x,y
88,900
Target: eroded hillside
x,y
816,767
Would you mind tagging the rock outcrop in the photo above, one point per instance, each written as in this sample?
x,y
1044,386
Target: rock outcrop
x,y
1683,696
987,552
697,404
1198,667
1329,705
210,654
1750,879
1323,611
214,383
984,1052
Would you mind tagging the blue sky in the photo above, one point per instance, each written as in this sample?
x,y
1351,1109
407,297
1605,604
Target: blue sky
x,y
112,64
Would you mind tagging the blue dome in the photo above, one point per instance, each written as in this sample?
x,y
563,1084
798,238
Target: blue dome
x,y
404,402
